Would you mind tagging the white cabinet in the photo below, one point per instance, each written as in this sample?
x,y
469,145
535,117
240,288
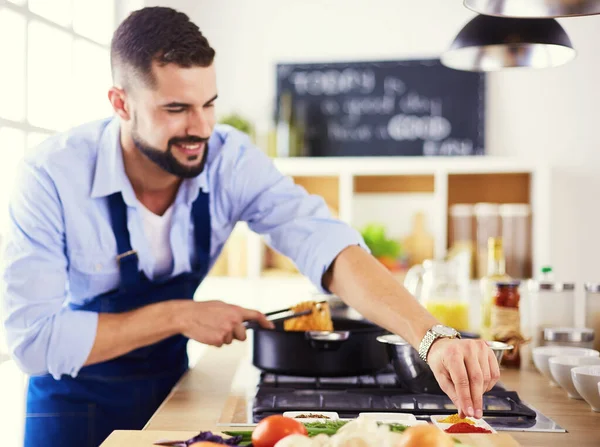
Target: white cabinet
x,y
359,189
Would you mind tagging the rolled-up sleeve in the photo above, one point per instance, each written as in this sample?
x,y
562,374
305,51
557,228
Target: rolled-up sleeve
x,y
293,222
43,334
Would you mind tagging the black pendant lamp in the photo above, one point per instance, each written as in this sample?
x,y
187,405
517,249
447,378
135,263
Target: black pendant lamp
x,y
534,8
490,43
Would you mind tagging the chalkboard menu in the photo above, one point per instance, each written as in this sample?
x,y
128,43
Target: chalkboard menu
x,y
411,107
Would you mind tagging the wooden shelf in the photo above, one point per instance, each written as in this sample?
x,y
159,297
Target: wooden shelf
x,y
492,188
496,188
393,183
325,186
405,186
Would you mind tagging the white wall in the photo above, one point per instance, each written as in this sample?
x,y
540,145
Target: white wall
x,y
551,113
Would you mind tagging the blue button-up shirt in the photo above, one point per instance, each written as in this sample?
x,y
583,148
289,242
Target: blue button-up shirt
x,y
61,248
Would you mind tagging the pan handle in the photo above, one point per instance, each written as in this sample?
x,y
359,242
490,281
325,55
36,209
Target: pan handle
x,y
327,340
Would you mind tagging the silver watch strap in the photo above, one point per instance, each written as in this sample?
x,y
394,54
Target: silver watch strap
x,y
426,343
428,340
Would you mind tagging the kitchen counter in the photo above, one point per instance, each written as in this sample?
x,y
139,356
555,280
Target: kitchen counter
x,y
213,394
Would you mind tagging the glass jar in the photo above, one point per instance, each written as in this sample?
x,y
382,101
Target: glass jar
x,y
515,218
506,321
462,234
440,286
592,310
487,217
552,304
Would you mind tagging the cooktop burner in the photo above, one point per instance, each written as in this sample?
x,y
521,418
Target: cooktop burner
x,y
382,392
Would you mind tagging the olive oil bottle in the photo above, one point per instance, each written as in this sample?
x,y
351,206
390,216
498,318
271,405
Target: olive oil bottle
x,y
496,272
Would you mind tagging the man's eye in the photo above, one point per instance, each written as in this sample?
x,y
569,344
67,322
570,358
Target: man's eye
x,y
175,110
208,106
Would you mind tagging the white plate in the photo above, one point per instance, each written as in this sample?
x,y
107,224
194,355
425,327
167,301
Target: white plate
x,y
406,419
389,417
329,416
443,425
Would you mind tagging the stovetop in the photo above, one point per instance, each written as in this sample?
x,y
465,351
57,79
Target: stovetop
x,y
382,392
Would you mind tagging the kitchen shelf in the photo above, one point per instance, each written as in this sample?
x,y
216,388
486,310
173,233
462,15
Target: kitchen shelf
x,y
444,181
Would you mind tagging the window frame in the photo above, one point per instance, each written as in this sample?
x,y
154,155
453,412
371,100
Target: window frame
x,y
23,9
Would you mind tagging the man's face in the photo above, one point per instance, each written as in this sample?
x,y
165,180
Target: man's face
x,y
172,121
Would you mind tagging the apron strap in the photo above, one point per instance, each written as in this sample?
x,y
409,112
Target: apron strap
x,y
127,257
202,231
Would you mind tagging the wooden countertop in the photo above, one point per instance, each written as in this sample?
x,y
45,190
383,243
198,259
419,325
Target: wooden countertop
x,y
214,393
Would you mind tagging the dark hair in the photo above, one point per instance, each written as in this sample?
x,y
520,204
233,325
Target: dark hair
x,y
156,34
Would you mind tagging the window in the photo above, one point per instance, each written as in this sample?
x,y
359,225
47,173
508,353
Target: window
x,y
58,76
12,82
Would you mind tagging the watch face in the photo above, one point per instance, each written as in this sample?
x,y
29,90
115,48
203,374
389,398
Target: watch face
x,y
444,330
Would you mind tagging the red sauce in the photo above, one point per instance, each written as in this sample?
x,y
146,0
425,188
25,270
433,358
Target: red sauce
x,y
463,427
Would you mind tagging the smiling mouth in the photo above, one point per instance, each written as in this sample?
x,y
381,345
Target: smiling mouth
x,y
191,150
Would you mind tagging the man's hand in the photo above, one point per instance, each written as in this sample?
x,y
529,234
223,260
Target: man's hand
x,y
465,369
214,322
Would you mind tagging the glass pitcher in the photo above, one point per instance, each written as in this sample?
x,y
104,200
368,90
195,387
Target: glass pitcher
x,y
441,286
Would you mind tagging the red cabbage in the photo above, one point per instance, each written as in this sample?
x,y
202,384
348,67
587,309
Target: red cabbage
x,y
211,437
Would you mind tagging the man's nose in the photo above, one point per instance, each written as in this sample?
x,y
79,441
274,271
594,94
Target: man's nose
x,y
198,125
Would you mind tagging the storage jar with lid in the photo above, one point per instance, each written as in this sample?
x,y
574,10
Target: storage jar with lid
x,y
552,305
487,216
462,233
569,336
516,237
592,310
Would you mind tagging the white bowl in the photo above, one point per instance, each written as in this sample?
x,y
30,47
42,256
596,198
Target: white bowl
x,y
586,380
560,368
542,354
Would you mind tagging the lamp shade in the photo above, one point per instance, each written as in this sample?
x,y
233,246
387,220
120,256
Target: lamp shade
x,y
534,8
490,43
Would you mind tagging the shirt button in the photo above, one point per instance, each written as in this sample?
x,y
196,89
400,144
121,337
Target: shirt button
x,y
98,267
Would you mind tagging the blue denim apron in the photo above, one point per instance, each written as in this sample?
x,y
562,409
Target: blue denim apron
x,y
123,393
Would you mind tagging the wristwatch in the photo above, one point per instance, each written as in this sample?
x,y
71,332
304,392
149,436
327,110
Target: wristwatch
x,y
437,331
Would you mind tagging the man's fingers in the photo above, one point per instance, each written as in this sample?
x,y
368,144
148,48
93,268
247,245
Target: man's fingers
x,y
476,381
494,369
460,380
448,387
253,315
239,332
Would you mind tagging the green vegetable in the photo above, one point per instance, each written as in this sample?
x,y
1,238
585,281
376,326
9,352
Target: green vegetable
x,y
376,239
328,428
397,428
239,122
325,425
246,436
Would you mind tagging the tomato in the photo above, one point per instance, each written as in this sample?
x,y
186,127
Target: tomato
x,y
273,428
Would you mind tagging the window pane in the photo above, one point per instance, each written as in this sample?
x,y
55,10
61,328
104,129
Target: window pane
x,y
12,148
92,79
49,77
58,11
35,138
94,19
12,81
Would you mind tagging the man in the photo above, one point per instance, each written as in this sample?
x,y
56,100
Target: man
x,y
115,224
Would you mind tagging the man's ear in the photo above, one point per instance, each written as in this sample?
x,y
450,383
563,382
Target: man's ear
x,y
118,100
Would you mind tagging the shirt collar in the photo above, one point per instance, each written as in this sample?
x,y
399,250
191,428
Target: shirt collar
x,y
110,176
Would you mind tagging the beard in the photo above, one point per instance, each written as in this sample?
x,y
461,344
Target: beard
x,y
165,159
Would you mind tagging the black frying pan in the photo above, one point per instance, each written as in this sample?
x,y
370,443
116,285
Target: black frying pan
x,y
351,349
